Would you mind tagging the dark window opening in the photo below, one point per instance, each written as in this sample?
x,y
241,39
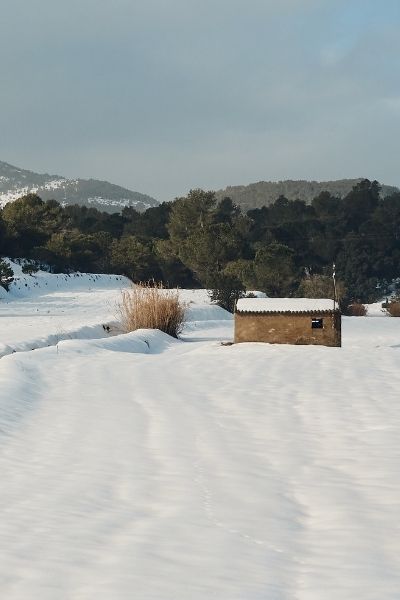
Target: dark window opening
x,y
317,323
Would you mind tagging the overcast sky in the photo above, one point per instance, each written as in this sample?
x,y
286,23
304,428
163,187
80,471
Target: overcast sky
x,y
166,95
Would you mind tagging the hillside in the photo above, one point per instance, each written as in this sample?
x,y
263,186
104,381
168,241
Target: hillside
x,y
105,196
265,193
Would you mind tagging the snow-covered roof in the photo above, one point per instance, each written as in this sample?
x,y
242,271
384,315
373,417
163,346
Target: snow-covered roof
x,y
258,305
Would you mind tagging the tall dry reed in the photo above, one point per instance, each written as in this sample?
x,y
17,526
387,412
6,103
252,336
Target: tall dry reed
x,y
151,306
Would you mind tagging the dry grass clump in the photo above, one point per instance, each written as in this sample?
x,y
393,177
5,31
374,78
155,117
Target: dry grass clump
x,y
356,310
393,308
151,306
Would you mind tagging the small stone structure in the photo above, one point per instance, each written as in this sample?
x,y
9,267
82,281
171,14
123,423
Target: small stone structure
x,y
288,321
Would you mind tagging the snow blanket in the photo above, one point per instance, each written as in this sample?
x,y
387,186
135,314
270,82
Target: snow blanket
x,y
144,467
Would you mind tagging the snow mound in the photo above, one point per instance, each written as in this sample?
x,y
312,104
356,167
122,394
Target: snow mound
x,y
141,341
207,312
375,310
52,339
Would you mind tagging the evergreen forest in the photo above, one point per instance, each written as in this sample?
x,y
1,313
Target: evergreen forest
x,y
285,249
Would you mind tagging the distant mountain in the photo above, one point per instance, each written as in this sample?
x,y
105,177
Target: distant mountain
x,y
105,196
264,193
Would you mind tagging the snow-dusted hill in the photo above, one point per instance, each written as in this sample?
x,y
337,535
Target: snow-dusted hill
x,y
105,196
138,466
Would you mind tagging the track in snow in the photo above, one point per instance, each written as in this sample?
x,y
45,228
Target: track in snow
x,y
175,471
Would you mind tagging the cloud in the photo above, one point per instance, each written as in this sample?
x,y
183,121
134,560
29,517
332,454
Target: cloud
x,y
165,95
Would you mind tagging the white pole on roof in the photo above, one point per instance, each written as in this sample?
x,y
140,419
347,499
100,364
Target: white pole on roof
x,y
334,285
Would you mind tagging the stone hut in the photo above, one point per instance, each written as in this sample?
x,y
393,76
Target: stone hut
x,y
288,321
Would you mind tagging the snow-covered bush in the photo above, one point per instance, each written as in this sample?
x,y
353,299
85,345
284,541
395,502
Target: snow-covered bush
x,y
29,268
151,306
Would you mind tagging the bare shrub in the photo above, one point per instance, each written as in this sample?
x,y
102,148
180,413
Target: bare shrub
x,y
320,286
393,308
151,306
356,310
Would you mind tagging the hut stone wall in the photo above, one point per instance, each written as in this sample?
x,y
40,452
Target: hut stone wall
x,y
289,328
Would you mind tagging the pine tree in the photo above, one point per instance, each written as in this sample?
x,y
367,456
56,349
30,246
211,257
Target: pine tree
x,y
6,274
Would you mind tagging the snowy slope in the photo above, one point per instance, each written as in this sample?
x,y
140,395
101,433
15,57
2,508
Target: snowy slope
x,y
140,466
42,309
105,196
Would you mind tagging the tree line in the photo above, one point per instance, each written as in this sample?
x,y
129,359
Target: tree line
x,y
284,249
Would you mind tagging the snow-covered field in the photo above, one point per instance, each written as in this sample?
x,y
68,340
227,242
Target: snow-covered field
x,y
137,466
